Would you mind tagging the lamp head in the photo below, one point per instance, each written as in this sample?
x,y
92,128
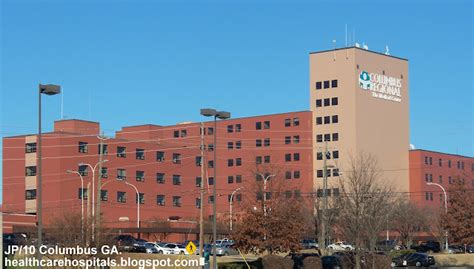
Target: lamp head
x,y
223,115
50,89
208,112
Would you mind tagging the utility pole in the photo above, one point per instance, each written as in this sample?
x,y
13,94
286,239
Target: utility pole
x,y
99,181
325,197
201,197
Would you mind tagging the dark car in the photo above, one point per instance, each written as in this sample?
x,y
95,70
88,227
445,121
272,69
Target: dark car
x,y
413,259
309,243
428,246
386,245
470,249
299,257
331,262
126,242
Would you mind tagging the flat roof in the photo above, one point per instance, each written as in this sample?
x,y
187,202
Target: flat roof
x,y
353,47
444,153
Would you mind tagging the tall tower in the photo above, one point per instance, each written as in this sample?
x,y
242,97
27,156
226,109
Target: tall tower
x,y
360,103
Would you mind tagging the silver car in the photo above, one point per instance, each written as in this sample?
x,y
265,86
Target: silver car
x,y
226,249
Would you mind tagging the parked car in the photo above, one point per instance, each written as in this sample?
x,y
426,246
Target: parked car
x,y
331,262
387,245
150,247
225,240
470,249
309,244
173,248
161,248
455,249
125,242
413,259
428,246
226,249
340,246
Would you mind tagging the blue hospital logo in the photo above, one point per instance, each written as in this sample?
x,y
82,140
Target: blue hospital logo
x,y
364,80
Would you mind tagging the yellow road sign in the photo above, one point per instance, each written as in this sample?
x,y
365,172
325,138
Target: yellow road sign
x,y
191,248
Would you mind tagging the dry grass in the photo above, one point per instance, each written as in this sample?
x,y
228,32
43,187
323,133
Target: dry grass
x,y
454,259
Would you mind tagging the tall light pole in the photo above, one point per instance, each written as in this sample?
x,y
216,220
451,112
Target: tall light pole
x,y
93,193
138,205
230,204
48,89
82,198
265,179
445,206
209,112
325,197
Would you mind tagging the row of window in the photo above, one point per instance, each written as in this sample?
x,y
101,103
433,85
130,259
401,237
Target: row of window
x,y
327,102
288,194
265,142
327,137
326,84
429,178
180,133
334,192
327,119
459,164
237,128
292,122
335,173
335,155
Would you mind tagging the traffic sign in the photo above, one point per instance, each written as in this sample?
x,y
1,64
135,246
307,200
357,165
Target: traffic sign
x,y
191,248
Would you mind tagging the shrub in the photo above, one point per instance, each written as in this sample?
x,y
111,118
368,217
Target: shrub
x,y
312,263
276,262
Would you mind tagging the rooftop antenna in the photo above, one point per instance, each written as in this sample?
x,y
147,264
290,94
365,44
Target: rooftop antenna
x,y
387,52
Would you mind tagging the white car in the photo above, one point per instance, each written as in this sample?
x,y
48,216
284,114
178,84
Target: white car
x,y
161,248
172,248
340,246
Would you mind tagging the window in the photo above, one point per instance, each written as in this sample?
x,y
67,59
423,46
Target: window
x,y
176,134
177,158
335,137
327,120
198,181
296,156
140,197
258,143
319,103
210,164
211,181
319,156
160,200
198,203
266,142
140,154
104,173
334,101
238,162
230,162
121,174
440,179
176,180
177,201
104,195
450,180
238,197
140,176
266,125
288,175
210,199
30,147
296,139
288,157
327,102
431,177
297,193
319,173
266,159
288,194
287,122
121,197
82,194
335,154
83,147
319,85
431,196
160,156
449,163
238,128
335,172
184,133
334,83
238,144
210,131
335,119
230,145
296,121
327,137
82,170
258,160
296,174
121,152
326,84
320,193
258,125
238,179
30,194
160,178
335,192
319,138
319,120
287,140
230,128
426,160
210,147
198,160
104,149
230,179
440,162
259,195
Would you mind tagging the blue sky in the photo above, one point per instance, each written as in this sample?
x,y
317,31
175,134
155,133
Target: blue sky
x,y
157,62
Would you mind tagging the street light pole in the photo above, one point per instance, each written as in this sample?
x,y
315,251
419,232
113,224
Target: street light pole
x,y
230,209
138,206
48,89
208,112
445,206
93,194
82,199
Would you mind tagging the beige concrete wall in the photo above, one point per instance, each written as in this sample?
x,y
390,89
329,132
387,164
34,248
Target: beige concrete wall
x,y
366,123
30,206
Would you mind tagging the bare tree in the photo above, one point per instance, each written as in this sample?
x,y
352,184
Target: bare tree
x,y
408,219
365,200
